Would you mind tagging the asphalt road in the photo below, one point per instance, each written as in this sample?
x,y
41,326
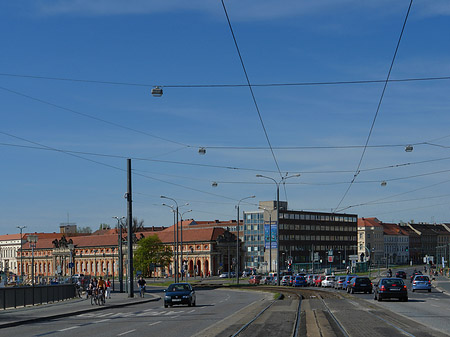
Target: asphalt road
x,y
149,319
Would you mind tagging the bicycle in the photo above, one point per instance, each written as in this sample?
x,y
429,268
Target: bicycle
x,y
94,297
142,291
101,297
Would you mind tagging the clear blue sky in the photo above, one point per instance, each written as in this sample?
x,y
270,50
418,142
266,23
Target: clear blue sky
x,y
64,144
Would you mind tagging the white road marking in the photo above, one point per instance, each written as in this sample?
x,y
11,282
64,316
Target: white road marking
x,y
155,323
70,328
104,315
102,321
434,305
126,332
191,311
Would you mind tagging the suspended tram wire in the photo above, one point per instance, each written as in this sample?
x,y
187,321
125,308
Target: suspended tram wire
x,y
220,166
91,117
357,171
175,86
250,88
115,167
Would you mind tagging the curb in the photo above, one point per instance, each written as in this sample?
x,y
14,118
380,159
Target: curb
x,y
74,313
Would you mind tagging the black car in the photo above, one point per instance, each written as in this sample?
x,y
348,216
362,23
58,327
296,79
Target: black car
x,y
391,288
359,284
400,274
414,274
179,293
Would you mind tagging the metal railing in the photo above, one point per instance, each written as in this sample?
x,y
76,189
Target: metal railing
x,y
13,297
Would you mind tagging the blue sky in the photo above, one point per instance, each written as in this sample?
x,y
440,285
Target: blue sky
x,y
64,143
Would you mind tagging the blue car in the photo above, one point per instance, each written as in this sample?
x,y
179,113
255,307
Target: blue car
x,y
347,280
421,282
179,293
300,281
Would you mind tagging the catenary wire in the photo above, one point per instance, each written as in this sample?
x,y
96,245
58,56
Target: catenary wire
x,y
250,88
357,171
148,85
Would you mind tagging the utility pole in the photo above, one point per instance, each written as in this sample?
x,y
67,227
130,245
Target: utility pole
x,y
130,231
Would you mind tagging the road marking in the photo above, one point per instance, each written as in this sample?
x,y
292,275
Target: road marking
x,y
434,305
191,311
155,323
102,320
70,328
104,315
126,332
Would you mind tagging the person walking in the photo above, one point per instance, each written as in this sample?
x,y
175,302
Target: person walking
x,y
108,288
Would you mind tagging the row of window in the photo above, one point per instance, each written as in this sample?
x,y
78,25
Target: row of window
x,y
301,216
317,248
318,237
318,228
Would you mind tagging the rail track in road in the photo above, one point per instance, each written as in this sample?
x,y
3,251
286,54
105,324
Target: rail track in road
x,y
317,312
288,318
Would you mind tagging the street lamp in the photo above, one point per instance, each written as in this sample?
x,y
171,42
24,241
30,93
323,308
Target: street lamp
x,y
175,210
119,233
21,253
283,179
175,244
181,239
270,236
237,238
32,239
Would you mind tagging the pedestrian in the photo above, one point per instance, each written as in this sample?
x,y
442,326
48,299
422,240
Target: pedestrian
x,y
108,288
141,283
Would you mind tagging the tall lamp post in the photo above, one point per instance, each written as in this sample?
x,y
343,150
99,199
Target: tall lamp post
x,y
32,239
283,179
175,210
181,242
237,238
21,253
119,233
71,247
175,244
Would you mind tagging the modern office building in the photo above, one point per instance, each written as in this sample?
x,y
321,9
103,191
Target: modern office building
x,y
327,239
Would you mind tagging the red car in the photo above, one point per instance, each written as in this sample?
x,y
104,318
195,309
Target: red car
x,y
255,279
318,280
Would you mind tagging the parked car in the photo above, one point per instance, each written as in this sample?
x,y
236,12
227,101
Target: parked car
x,y
391,288
286,280
421,282
318,280
266,280
179,293
347,280
400,274
225,275
275,280
310,279
339,282
328,281
360,284
255,279
300,281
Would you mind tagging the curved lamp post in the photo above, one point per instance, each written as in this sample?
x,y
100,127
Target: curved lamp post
x,y
237,238
283,179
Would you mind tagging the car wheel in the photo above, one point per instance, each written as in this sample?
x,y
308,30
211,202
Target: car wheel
x,y
165,305
352,291
413,290
194,304
189,304
375,296
370,291
379,298
429,290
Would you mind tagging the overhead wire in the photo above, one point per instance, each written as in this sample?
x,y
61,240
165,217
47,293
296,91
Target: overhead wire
x,y
250,88
357,171
223,85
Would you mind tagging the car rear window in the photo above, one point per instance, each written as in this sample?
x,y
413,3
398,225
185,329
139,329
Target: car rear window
x,y
362,280
422,278
391,282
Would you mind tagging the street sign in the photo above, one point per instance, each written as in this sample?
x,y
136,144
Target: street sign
x,y
353,257
330,259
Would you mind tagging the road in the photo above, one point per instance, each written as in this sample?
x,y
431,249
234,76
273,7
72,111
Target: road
x,y
146,319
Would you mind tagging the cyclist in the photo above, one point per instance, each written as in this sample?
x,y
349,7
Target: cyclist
x,y
141,283
101,286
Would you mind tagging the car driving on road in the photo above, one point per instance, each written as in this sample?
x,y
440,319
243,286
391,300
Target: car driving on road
x,y
179,293
421,282
360,284
391,288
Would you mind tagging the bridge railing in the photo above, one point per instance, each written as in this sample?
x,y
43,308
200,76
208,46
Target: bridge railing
x,y
13,297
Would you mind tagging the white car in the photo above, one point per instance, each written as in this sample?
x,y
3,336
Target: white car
x,y
328,281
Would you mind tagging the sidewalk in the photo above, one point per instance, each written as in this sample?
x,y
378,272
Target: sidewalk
x,y
77,306
442,283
